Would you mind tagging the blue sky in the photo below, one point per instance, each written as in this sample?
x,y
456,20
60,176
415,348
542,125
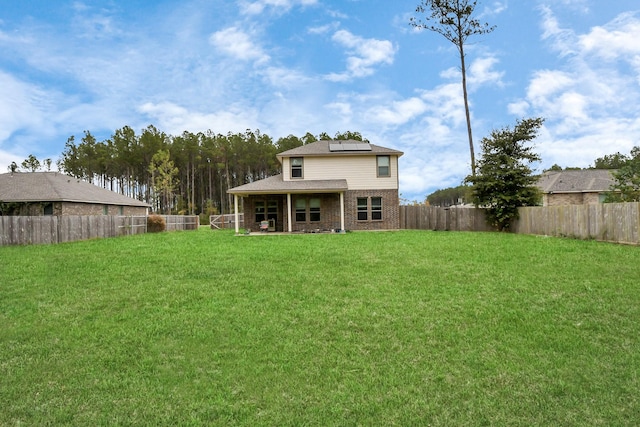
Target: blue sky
x,y
296,66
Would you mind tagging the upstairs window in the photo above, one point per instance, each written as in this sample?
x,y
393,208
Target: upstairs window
x,y
296,167
383,166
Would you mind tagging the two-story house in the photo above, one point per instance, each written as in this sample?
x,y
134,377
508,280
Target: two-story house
x,y
326,185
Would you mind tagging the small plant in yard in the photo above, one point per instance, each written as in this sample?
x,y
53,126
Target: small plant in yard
x,y
156,224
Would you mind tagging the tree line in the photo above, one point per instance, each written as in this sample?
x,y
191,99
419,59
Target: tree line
x,y
196,168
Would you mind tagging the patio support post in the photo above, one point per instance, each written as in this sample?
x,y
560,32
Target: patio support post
x,y
235,210
289,212
342,211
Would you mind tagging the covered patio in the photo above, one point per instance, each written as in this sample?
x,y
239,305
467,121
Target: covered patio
x,y
292,206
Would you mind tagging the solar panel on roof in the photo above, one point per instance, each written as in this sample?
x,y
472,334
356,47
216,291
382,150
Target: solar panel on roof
x,y
349,146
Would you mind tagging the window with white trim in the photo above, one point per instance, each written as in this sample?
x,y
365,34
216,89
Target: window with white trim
x,y
296,167
384,163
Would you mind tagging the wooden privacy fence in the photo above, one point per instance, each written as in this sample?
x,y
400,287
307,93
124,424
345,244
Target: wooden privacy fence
x,y
421,217
610,222
26,230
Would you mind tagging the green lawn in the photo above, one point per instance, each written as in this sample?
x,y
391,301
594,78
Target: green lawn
x,y
383,328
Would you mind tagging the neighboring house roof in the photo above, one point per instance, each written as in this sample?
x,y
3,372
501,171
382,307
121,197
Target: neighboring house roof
x,y
57,187
576,181
275,184
328,148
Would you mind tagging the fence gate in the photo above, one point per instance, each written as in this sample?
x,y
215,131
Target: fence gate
x,y
225,221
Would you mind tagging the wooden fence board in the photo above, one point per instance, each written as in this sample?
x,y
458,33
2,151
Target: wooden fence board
x,y
612,222
26,230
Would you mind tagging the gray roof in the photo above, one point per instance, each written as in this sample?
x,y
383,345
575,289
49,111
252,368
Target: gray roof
x,y
576,181
57,187
276,185
321,148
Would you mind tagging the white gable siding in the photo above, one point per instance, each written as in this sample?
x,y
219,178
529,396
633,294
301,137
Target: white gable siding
x,y
359,171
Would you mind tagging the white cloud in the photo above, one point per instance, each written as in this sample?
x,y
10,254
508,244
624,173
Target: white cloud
x,y
590,102
564,40
285,77
20,106
259,6
617,40
364,55
238,44
322,29
175,119
481,72
399,112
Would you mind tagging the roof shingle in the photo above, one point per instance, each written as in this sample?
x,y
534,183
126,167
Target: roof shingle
x,y
275,184
576,181
57,187
321,148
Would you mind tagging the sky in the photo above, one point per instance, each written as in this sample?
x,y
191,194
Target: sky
x,y
288,67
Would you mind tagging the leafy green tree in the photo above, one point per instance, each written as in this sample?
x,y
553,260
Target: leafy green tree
x,y
554,168
288,143
348,135
308,138
611,161
627,180
453,19
504,180
450,196
31,163
164,175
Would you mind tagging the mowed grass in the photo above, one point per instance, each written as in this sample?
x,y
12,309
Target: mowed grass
x,y
382,328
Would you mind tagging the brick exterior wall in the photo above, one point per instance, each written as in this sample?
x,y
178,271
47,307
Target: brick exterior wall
x,y
390,210
97,209
561,199
329,212
69,208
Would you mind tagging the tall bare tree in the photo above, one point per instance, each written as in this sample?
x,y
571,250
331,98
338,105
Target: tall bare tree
x,y
453,19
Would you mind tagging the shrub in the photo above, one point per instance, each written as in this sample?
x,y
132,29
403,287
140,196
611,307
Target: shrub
x,y
156,224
